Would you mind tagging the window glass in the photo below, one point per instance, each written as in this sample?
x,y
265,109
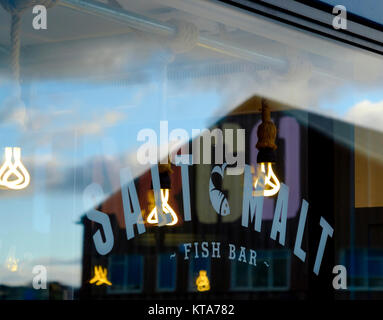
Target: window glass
x,y
366,271
126,273
284,129
166,272
196,266
271,272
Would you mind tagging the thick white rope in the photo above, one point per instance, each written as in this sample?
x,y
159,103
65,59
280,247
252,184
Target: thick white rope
x,y
16,9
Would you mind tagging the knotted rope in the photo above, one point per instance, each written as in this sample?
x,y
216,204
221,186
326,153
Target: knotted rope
x,y
267,131
16,9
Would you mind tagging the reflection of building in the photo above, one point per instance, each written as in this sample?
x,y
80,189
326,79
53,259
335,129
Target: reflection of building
x,y
320,159
54,291
22,293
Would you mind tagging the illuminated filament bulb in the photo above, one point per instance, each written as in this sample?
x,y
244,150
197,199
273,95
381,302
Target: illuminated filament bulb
x,y
12,264
100,276
13,169
202,282
166,208
272,184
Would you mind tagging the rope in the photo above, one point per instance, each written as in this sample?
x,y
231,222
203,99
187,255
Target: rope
x,y
15,46
165,170
16,9
267,131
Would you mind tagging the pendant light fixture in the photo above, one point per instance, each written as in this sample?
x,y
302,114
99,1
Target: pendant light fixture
x,y
202,282
11,170
267,133
165,184
100,276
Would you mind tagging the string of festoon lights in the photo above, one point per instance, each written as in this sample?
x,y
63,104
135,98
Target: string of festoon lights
x,y
13,174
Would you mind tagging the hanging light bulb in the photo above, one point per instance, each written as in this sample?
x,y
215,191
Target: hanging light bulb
x,y
12,264
100,276
267,133
202,281
13,169
166,208
271,183
165,184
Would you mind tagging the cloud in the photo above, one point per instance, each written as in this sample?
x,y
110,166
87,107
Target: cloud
x,y
367,114
52,261
12,110
43,127
93,57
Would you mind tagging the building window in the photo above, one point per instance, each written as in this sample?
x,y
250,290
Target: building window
x,y
364,269
195,266
166,272
126,273
272,272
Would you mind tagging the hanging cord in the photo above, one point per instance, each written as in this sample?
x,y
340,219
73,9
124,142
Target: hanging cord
x,y
16,9
165,167
15,46
267,131
165,170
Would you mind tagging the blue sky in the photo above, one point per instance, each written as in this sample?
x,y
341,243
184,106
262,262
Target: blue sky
x,y
347,97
